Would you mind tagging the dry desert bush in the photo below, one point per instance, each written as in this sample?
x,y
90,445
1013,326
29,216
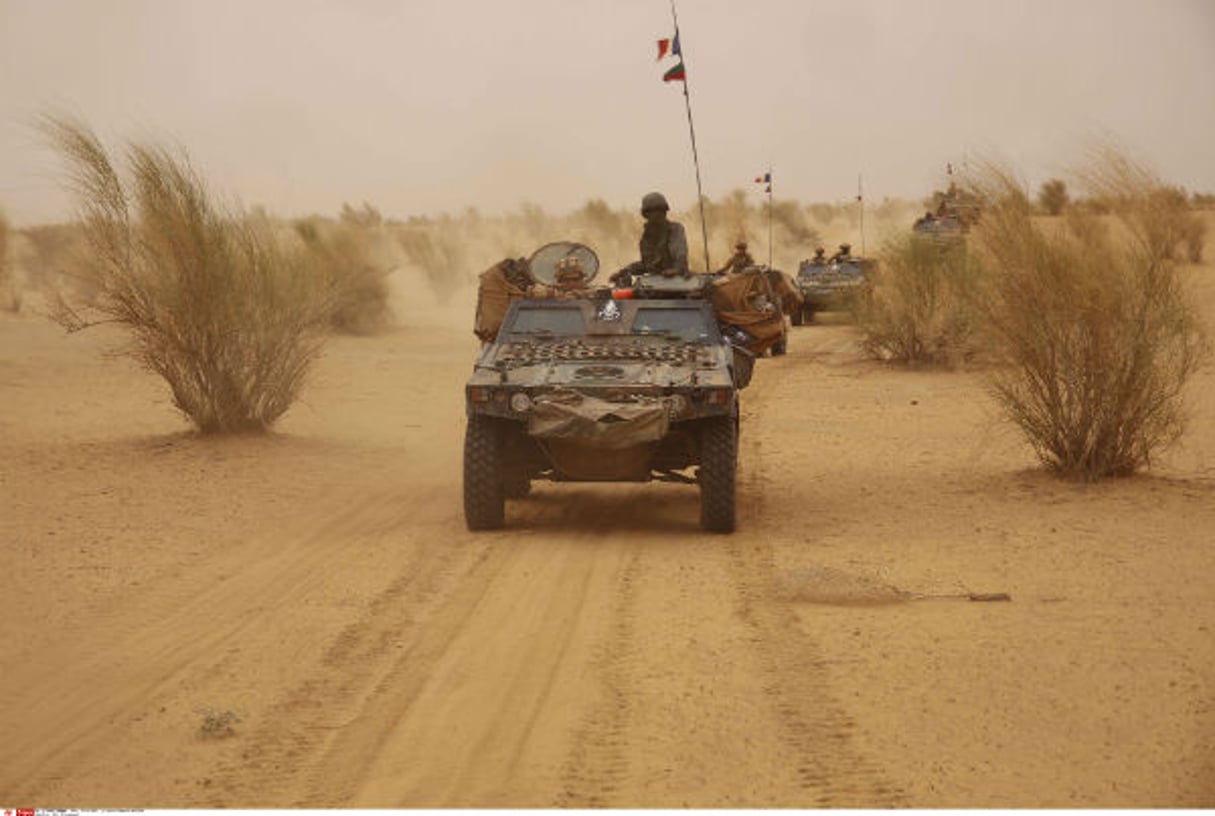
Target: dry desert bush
x,y
1091,326
919,309
348,256
212,302
10,292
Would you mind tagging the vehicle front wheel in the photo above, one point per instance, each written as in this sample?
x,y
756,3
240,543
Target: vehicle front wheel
x,y
718,467
484,499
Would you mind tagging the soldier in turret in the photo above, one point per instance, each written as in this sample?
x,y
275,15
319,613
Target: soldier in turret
x,y
844,254
739,261
664,243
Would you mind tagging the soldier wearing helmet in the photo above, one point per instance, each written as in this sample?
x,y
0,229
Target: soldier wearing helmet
x,y
739,261
844,254
664,244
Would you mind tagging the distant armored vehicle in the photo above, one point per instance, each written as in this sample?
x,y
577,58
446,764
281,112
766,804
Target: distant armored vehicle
x,y
831,284
629,384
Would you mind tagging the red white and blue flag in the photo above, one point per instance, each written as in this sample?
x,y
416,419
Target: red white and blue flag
x,y
670,48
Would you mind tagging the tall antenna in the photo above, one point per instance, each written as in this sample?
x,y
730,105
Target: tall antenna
x,y
769,186
860,200
700,196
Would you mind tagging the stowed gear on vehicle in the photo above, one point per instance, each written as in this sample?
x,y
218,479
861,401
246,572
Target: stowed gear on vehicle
x,y
576,383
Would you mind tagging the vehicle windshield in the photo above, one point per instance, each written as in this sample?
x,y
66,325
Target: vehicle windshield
x,y
559,321
686,324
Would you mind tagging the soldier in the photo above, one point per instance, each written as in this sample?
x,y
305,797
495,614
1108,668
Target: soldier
x,y
517,273
844,254
664,244
739,261
569,274
820,255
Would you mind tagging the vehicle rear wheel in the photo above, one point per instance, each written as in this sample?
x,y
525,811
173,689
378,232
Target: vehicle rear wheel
x,y
484,498
718,467
796,317
780,347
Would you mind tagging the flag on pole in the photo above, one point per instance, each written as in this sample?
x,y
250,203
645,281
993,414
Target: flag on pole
x,y
670,48
766,178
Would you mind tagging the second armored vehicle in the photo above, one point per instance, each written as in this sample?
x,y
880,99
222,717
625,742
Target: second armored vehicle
x,y
831,285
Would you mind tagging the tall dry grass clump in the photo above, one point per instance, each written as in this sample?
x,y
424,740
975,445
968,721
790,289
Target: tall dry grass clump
x,y
347,257
919,307
10,292
1095,335
213,304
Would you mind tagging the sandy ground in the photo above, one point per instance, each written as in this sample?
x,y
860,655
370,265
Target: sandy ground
x,y
301,620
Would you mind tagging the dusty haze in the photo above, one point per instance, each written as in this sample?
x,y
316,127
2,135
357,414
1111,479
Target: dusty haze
x,y
427,106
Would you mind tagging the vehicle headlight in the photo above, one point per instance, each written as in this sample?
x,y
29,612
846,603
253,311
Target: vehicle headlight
x,y
520,403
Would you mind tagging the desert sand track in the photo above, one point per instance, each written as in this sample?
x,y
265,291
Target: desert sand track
x,y
302,620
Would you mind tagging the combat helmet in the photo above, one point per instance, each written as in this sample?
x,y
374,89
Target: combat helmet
x,y
654,201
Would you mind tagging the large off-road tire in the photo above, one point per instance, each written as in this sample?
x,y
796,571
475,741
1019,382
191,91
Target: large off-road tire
x,y
484,498
781,346
718,467
515,482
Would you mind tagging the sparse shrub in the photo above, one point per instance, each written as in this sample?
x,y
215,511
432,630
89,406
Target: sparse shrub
x,y
1052,196
439,250
365,216
1193,237
52,258
345,254
10,292
212,302
1093,330
919,306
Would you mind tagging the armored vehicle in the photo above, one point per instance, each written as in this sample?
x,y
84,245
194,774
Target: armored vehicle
x,y
830,285
600,384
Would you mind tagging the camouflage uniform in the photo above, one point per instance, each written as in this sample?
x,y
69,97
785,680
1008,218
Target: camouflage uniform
x,y
739,261
517,273
664,244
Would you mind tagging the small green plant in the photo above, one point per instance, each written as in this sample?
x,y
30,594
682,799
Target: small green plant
x,y
1092,328
213,303
919,308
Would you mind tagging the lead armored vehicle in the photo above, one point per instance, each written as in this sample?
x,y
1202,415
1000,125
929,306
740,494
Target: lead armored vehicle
x,y
598,384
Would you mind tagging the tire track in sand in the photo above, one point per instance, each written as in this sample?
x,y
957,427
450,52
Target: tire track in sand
x,y
456,688
814,724
76,697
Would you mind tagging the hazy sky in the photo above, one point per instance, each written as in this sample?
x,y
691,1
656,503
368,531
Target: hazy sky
x,y
428,106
